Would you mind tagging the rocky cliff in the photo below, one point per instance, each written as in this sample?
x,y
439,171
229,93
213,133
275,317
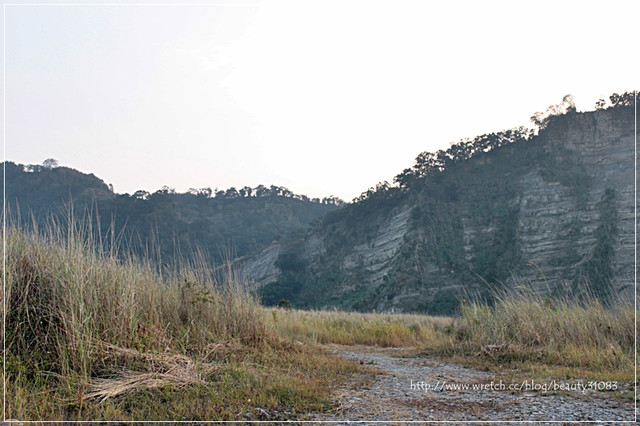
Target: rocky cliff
x,y
552,212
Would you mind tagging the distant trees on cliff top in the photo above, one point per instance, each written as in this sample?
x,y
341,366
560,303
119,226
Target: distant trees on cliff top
x,y
244,220
244,192
429,163
626,99
206,193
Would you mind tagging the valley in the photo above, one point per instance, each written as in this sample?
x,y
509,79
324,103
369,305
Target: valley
x,y
507,258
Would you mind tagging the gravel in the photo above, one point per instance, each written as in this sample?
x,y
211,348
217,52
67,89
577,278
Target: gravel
x,y
439,394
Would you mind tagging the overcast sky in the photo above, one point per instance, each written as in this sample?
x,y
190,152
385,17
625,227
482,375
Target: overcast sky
x,y
323,97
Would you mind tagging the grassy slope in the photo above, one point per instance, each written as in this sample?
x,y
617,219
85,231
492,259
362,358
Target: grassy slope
x,y
90,336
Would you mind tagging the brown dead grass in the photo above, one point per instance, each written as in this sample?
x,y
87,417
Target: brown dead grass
x,y
167,368
97,336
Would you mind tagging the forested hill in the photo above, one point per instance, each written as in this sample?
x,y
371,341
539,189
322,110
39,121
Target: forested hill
x,y
549,209
233,222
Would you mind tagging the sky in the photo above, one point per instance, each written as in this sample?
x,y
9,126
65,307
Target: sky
x,y
323,97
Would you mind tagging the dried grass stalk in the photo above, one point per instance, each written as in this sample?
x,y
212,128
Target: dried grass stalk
x,y
131,381
163,369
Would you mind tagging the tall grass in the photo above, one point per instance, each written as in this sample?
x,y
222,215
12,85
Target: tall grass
x,y
519,328
85,323
522,325
77,315
350,328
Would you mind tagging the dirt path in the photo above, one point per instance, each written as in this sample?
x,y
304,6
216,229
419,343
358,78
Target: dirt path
x,y
426,389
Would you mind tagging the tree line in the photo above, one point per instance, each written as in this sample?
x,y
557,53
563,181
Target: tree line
x,y
431,163
259,191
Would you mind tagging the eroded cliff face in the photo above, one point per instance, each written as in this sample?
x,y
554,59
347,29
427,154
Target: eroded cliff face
x,y
261,268
549,213
375,257
558,221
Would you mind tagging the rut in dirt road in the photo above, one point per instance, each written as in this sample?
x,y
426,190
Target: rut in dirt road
x,y
427,389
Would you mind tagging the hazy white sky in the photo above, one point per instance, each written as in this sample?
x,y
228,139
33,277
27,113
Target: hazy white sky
x,y
323,97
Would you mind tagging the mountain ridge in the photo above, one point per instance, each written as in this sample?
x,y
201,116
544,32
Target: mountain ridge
x,y
550,208
552,211
166,224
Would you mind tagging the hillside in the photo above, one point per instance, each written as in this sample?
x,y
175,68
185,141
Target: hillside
x,y
48,188
553,211
164,224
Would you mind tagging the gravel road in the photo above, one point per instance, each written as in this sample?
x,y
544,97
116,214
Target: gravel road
x,y
423,389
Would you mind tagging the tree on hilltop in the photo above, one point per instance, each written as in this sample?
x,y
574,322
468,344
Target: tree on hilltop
x,y
50,163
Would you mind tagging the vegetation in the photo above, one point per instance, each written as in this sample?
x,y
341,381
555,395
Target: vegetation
x,y
355,328
100,326
534,336
96,335
222,223
292,267
92,335
525,328
474,185
463,230
597,272
627,99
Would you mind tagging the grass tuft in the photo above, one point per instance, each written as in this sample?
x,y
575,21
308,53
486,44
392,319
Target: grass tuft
x,y
523,326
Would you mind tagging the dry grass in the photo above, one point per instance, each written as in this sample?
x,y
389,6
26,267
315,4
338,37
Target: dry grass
x,y
130,381
161,370
562,331
535,334
64,297
351,328
544,337
96,335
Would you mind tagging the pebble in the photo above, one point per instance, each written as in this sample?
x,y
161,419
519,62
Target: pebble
x,y
390,397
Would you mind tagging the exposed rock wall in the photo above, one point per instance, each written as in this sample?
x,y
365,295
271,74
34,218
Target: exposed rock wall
x,y
375,257
261,269
556,232
527,214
